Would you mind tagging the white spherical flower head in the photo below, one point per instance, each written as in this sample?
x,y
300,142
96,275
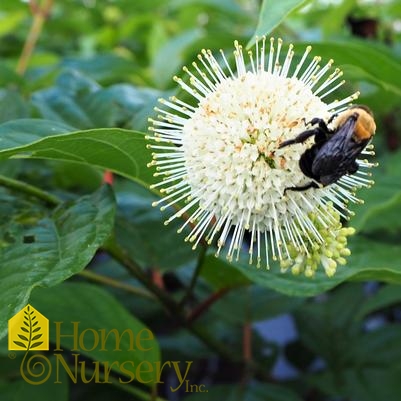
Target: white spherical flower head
x,y
220,160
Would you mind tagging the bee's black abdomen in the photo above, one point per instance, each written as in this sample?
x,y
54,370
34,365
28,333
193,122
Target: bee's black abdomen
x,y
306,161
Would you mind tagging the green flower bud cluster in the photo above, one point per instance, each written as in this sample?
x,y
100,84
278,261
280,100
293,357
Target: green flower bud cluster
x,y
330,253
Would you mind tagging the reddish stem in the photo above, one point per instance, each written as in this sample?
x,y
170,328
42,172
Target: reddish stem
x,y
247,342
157,279
205,305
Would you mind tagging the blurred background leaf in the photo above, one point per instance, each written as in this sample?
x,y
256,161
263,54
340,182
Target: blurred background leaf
x,y
94,309
40,250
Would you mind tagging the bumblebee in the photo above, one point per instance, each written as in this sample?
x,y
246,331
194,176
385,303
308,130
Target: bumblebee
x,y
335,149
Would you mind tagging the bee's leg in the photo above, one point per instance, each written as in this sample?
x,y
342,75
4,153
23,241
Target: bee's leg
x,y
332,117
302,137
321,123
314,121
305,187
353,168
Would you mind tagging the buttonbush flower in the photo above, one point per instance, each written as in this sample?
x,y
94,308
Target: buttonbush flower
x,y
217,157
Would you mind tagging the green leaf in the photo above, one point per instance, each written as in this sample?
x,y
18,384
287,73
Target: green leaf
x,y
370,260
220,274
377,364
243,305
328,326
9,22
17,389
63,245
140,229
385,297
70,176
135,104
101,67
24,131
9,77
378,348
380,207
12,105
79,101
378,63
332,18
95,309
372,371
173,50
73,100
382,202
273,392
355,359
283,282
118,150
272,14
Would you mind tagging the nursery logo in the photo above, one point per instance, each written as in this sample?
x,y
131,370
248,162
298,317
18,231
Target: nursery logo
x,y
28,330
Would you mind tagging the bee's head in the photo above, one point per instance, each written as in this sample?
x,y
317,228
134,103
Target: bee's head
x,y
365,126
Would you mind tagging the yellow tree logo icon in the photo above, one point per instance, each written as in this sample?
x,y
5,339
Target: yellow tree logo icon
x,y
28,330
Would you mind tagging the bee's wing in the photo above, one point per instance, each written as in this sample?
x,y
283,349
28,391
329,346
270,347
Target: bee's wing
x,y
337,156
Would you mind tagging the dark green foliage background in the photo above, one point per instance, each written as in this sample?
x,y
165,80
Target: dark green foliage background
x,y
90,251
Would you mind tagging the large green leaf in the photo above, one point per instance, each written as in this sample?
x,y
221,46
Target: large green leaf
x,y
382,203
140,229
101,67
244,304
118,150
52,249
95,309
385,297
73,100
329,325
12,105
371,370
8,77
173,50
272,14
357,360
55,387
77,100
22,132
370,260
376,63
282,282
376,357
